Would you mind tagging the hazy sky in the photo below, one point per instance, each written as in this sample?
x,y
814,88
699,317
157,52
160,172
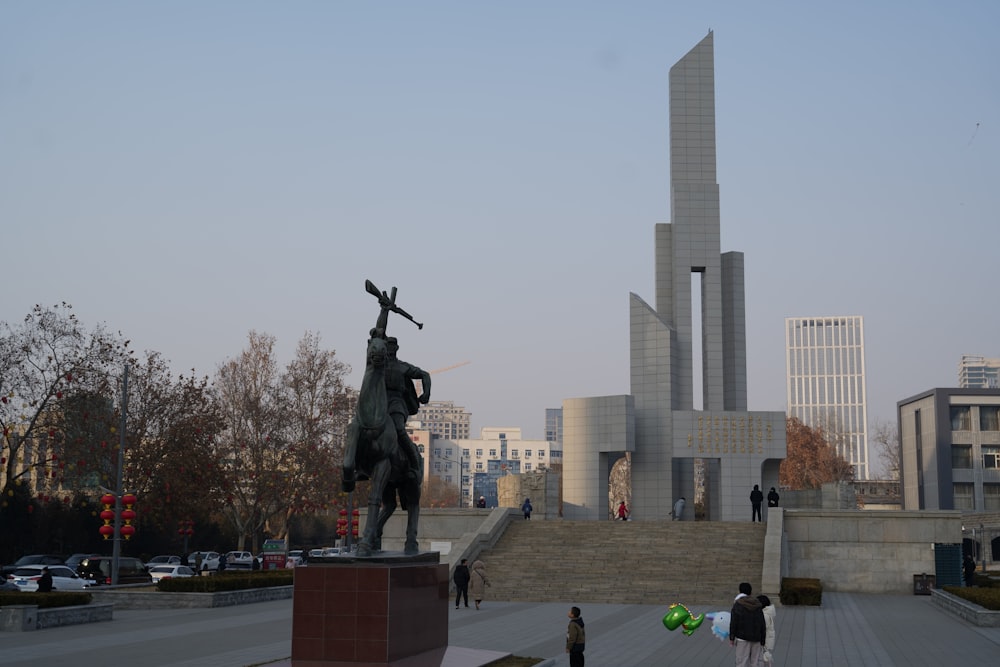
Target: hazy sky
x,y
186,172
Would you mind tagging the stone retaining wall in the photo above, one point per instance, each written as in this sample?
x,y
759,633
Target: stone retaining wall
x,y
973,613
132,599
28,617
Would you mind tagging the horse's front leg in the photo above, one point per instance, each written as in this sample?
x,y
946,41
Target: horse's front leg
x,y
388,507
350,453
412,517
379,479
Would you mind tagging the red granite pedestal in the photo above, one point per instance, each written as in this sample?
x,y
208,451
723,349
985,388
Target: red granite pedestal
x,y
386,611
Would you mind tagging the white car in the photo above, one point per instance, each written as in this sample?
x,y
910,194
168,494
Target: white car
x,y
163,560
63,579
159,572
209,560
295,558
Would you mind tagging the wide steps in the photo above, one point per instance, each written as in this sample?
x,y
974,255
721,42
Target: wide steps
x,y
627,562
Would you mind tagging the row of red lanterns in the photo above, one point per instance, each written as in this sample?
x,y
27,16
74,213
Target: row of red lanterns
x,y
108,515
342,523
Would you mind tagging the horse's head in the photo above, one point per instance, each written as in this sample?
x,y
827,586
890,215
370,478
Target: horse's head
x,y
378,352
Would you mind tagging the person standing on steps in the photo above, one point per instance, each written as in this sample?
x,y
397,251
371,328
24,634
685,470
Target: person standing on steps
x,y
576,638
526,508
461,578
479,582
622,511
772,498
756,498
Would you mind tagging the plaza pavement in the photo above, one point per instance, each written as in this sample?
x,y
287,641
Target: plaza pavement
x,y
849,629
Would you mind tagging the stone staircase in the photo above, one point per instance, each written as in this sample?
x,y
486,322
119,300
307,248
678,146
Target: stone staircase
x,y
627,562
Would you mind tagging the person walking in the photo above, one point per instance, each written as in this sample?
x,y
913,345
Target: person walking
x,y
461,578
772,498
576,638
622,511
526,508
747,628
677,514
756,498
969,570
767,654
45,581
478,582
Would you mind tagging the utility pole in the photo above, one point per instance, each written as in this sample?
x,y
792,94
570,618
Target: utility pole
x,y
117,550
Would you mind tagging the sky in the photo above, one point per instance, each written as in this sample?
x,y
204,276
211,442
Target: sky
x,y
188,172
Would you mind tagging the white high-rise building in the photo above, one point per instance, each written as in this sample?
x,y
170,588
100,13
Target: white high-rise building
x,y
825,380
976,372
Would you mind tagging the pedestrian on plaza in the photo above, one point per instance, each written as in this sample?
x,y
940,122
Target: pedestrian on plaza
x,y
576,638
481,503
198,558
45,581
969,570
747,628
772,498
622,511
222,563
461,578
479,582
677,514
756,498
767,655
526,508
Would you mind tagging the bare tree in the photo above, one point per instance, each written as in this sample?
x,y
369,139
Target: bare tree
x,y
47,361
319,406
437,492
885,437
283,434
811,461
252,444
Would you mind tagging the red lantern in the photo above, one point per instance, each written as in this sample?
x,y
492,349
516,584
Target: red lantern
x,y
107,531
127,515
108,515
107,499
128,499
127,531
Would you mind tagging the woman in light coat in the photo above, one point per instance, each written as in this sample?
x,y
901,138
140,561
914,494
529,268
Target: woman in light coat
x,y
769,614
478,582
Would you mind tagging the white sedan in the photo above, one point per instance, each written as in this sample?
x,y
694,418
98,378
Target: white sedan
x,y
63,579
158,572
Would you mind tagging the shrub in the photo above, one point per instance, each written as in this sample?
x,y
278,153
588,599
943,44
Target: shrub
x,y
236,581
46,600
801,591
987,598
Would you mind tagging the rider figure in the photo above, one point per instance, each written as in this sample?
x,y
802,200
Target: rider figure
x,y
403,400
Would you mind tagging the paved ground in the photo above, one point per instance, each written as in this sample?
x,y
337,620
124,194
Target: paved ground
x,y
849,629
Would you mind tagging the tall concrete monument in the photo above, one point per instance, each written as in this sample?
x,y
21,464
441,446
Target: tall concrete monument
x,y
657,422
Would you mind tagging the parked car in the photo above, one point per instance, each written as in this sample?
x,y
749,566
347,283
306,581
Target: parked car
x,y
98,570
74,561
209,561
160,572
295,558
63,579
34,559
163,560
240,560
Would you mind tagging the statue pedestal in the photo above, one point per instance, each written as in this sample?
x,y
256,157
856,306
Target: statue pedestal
x,y
390,610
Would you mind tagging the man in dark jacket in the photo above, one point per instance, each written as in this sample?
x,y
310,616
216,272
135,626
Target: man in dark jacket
x,y
461,578
747,628
576,638
45,581
756,498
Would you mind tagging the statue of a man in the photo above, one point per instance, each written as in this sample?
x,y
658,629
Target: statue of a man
x,y
403,400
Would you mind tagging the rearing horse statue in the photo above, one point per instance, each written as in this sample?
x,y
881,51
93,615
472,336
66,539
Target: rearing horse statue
x,y
373,452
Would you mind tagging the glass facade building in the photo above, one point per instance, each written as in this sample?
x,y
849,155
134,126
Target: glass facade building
x,y
825,382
